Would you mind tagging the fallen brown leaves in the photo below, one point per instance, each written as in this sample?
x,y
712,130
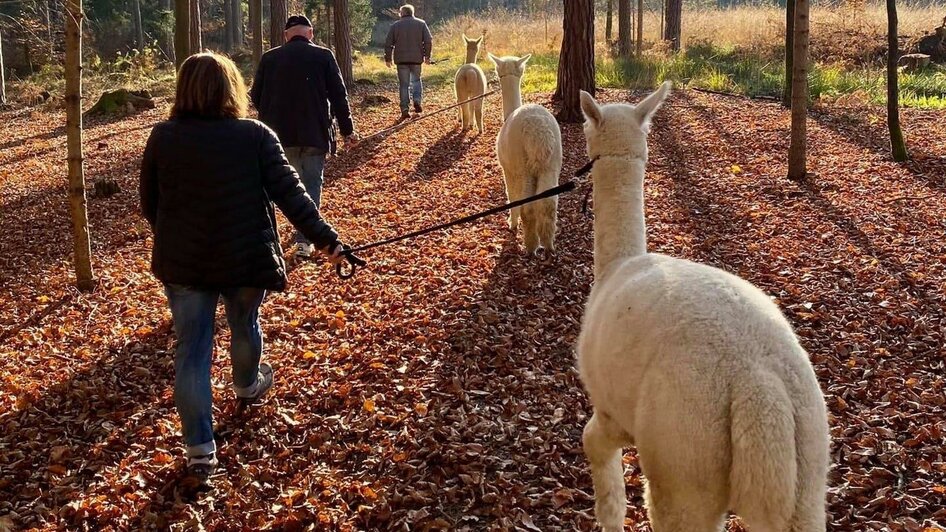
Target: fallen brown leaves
x,y
436,390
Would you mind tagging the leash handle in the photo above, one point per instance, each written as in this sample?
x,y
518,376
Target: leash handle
x,y
354,262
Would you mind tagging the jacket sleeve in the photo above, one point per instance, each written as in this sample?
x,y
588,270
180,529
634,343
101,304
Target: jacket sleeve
x,y
338,97
286,191
256,91
148,184
428,43
389,44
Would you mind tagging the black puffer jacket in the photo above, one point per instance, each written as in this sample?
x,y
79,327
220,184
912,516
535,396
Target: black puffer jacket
x,y
207,188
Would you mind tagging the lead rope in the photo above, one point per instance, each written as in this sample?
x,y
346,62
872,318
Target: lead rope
x,y
356,262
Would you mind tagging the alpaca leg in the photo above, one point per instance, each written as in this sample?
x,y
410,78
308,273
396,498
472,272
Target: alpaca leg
x,y
530,229
465,114
683,508
478,111
514,219
548,220
602,443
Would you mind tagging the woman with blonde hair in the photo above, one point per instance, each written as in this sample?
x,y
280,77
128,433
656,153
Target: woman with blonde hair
x,y
209,179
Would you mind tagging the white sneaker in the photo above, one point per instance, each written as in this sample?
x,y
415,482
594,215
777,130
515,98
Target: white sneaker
x,y
304,251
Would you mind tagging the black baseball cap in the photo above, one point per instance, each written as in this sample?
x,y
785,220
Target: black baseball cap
x,y
298,20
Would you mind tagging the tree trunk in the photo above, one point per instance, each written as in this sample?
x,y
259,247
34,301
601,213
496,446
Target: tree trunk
x,y
77,205
789,51
228,25
640,26
168,5
343,41
608,22
624,28
898,147
672,28
49,33
195,35
278,14
797,167
256,29
3,80
182,29
576,65
136,22
236,17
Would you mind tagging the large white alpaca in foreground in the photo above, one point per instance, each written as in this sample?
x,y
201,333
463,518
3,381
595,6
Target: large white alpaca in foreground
x,y
529,148
470,82
694,366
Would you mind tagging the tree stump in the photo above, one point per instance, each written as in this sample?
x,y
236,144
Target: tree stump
x,y
376,99
913,62
121,101
105,187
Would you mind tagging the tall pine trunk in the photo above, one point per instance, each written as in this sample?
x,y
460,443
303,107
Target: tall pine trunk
x,y
609,22
182,31
77,203
797,151
136,22
789,51
343,41
898,148
228,25
196,45
576,65
256,30
236,18
624,28
672,27
640,26
278,13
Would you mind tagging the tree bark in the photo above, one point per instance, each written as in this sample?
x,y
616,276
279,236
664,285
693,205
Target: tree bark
x,y
624,28
640,26
77,203
136,22
182,28
228,25
898,148
608,22
256,29
789,51
797,151
576,65
195,34
236,17
278,13
343,41
672,28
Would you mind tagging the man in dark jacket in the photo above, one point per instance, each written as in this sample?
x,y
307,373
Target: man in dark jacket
x,y
298,90
408,45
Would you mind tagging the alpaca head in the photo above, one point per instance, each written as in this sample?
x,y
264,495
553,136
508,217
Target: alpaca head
x,y
510,65
620,129
472,47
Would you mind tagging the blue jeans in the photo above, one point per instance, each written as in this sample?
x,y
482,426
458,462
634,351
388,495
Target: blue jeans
x,y
310,165
408,76
193,311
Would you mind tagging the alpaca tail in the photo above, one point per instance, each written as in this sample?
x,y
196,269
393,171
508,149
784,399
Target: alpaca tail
x,y
764,469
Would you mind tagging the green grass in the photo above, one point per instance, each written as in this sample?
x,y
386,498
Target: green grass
x,y
704,66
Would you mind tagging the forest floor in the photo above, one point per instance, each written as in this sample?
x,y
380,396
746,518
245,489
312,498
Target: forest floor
x,y
437,389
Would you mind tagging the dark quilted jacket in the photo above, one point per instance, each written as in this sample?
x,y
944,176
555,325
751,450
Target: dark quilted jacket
x,y
208,188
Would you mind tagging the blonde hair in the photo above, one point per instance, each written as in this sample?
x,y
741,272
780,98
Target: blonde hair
x,y
407,10
210,86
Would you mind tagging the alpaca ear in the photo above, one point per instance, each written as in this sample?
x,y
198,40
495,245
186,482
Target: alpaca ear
x,y
591,109
493,58
646,109
524,59
480,40
467,39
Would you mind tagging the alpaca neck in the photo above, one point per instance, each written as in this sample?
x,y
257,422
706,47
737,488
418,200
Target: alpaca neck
x,y
471,56
512,95
620,230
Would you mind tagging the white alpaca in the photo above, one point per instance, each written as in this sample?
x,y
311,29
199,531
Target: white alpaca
x,y
470,82
529,148
694,366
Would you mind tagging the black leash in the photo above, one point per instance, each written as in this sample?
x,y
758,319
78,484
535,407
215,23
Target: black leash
x,y
406,123
356,262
